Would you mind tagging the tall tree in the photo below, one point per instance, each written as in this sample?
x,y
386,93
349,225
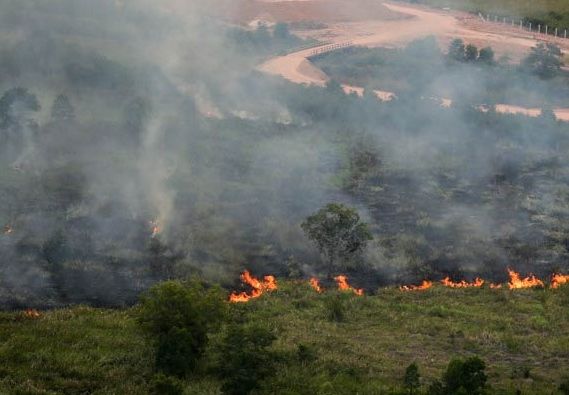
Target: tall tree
x,y
471,53
486,55
338,232
544,60
62,109
456,50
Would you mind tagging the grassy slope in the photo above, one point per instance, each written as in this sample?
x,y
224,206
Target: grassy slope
x,y
82,350
539,10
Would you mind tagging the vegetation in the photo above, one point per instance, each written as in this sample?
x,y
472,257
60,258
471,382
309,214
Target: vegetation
x,y
338,233
515,333
554,13
180,317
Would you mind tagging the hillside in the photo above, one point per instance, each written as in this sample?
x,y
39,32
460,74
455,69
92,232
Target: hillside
x,y
548,12
523,336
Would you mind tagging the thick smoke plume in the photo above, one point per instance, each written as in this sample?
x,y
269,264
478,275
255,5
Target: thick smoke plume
x,y
138,144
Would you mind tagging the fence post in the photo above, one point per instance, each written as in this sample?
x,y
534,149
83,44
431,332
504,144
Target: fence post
x,y
546,29
539,29
565,33
530,26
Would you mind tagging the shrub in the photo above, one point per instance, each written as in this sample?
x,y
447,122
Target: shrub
x,y
465,376
180,316
244,359
178,351
412,378
165,385
564,387
305,354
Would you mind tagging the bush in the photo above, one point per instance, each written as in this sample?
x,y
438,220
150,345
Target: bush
x,y
164,385
244,359
412,378
466,377
564,387
180,316
178,351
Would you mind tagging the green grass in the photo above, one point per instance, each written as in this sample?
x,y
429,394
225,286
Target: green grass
x,y
523,336
552,12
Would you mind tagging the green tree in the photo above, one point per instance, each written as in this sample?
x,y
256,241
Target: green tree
x,y
486,56
179,316
457,50
471,53
338,232
412,378
62,109
244,359
545,60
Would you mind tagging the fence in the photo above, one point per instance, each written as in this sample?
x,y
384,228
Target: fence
x,y
526,26
330,48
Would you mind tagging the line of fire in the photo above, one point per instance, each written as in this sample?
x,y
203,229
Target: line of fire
x,y
516,281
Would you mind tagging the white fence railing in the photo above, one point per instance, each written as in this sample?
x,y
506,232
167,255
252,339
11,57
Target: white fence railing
x,y
330,48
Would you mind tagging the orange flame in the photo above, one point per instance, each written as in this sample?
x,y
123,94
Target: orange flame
x,y
269,283
424,286
156,229
516,282
558,280
495,286
343,285
314,283
32,313
477,283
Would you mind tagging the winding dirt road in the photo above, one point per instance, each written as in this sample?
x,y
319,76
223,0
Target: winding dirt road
x,y
415,23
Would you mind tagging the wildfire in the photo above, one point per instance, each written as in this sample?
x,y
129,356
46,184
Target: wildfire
x,y
269,283
424,286
495,286
516,282
32,313
558,280
156,229
8,230
343,285
477,283
314,283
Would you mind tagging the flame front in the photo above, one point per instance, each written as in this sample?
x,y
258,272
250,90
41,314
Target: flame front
x,y
343,285
558,280
424,286
314,283
269,283
516,282
32,313
477,283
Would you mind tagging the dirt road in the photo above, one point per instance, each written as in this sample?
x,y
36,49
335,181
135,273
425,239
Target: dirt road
x,y
414,23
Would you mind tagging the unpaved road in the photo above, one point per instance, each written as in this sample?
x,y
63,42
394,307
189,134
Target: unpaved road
x,y
415,23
